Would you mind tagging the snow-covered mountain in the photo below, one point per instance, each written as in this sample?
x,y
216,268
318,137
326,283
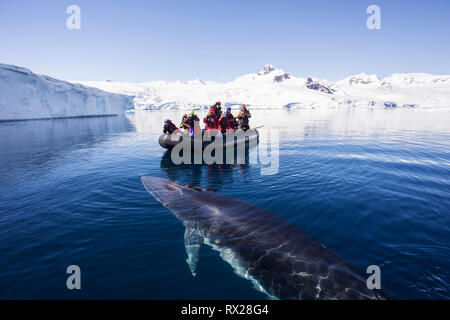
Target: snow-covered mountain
x,y
26,95
274,88
400,89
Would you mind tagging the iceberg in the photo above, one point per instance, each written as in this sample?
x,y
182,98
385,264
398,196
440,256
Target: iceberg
x,y
26,95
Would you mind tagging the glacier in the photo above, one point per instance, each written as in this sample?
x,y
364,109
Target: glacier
x,y
26,95
273,88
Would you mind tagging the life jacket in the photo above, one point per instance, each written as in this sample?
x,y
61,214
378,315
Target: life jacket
x,y
191,119
224,125
244,113
184,123
211,121
232,121
184,126
218,112
243,117
194,127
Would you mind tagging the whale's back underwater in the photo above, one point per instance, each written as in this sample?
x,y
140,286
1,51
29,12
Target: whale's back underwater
x,y
277,256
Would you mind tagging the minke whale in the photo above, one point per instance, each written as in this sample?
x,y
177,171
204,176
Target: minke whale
x,y
276,256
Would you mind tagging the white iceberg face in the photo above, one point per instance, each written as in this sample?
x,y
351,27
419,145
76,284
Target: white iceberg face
x,y
26,95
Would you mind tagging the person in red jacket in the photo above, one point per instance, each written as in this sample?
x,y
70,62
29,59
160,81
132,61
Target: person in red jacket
x,y
218,109
224,123
210,120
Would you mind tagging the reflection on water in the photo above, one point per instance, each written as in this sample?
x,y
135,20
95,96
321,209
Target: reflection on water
x,y
216,175
372,185
310,123
28,146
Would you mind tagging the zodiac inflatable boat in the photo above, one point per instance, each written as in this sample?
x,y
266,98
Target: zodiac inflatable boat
x,y
168,141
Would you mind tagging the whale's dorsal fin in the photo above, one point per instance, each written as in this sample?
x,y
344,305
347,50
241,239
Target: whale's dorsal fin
x,y
192,242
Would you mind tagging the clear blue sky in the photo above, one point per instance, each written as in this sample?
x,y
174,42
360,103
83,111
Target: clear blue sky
x,y
220,40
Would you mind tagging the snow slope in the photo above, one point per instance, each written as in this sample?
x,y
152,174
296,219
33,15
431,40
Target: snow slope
x,y
404,89
26,95
274,88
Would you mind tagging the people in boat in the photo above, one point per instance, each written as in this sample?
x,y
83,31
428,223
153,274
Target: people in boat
x,y
210,120
194,124
169,127
231,119
224,123
184,125
243,116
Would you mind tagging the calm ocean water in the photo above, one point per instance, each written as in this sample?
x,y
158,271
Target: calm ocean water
x,y
374,186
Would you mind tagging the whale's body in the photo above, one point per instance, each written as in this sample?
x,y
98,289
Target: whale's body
x,y
278,257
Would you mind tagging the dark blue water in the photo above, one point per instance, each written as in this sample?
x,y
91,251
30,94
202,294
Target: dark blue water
x,y
374,186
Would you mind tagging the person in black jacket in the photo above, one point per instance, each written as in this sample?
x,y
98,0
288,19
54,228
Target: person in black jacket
x,y
243,117
169,127
194,124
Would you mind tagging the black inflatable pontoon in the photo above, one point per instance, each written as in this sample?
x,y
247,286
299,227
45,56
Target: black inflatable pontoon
x,y
168,141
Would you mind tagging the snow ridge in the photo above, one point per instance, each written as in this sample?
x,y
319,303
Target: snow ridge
x,y
273,88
